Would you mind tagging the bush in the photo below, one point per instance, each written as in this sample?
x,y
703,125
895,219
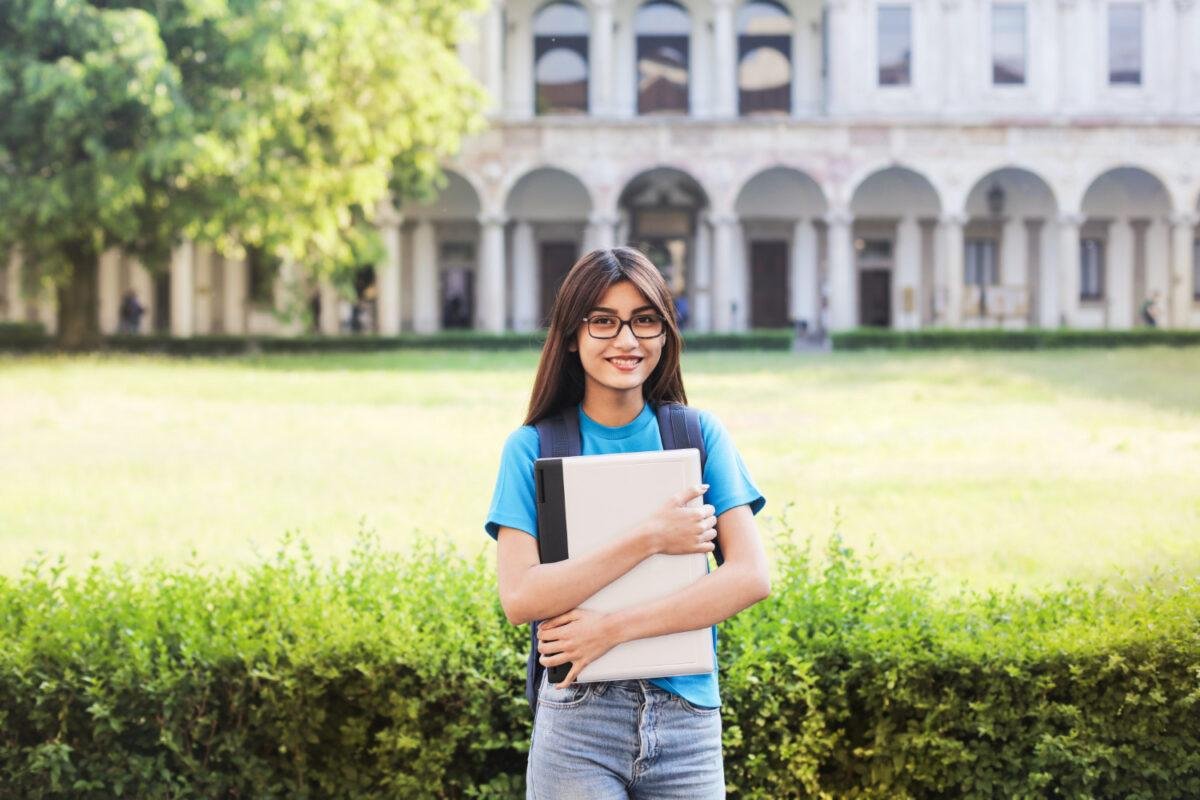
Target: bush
x,y
398,676
997,339
23,336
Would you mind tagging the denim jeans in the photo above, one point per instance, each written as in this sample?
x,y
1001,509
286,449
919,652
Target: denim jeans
x,y
623,739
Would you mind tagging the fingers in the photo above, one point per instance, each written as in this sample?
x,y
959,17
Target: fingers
x,y
575,668
682,498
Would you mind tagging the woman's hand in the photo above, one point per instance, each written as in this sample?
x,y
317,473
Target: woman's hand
x,y
679,529
579,636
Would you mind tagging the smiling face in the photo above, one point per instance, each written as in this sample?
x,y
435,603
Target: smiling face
x,y
603,360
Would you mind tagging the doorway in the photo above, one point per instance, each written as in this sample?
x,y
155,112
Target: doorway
x,y
769,284
556,260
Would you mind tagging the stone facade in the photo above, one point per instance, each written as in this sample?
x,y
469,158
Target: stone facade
x,y
897,164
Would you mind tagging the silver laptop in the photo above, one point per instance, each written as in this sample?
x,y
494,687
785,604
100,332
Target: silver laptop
x,y
583,502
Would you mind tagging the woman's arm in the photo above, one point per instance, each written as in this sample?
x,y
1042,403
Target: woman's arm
x,y
743,579
531,590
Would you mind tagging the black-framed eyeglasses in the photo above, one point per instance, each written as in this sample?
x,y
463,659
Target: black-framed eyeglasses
x,y
608,326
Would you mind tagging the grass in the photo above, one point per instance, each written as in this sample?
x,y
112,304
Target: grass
x,y
994,469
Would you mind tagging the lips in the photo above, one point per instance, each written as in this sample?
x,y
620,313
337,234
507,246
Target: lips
x,y
624,364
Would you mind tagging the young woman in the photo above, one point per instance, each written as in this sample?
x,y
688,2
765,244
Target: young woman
x,y
612,351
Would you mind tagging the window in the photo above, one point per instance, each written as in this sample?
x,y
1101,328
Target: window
x,y
764,58
895,45
662,29
1125,43
979,263
1008,44
560,52
1091,279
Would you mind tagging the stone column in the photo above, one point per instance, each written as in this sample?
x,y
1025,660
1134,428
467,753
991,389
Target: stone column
x,y
601,232
1158,267
489,288
427,316
836,89
725,59
702,297
183,289
47,311
331,307
908,274
388,272
1069,267
1014,252
600,70
202,277
1118,275
108,286
493,45
723,275
526,294
1177,304
1049,296
951,254
237,288
741,278
843,289
803,278
518,94
142,282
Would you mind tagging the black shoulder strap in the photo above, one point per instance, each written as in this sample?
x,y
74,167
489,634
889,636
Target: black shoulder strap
x,y
558,437
679,428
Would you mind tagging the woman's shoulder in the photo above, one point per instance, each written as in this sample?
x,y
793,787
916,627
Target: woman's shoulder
x,y
522,442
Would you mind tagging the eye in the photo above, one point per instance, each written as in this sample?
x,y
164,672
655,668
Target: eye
x,y
645,319
600,319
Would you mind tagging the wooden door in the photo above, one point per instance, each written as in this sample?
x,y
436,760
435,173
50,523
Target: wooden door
x,y
875,297
556,261
769,284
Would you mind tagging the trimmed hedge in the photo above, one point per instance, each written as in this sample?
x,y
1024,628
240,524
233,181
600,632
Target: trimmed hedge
x,y
220,344
398,676
995,339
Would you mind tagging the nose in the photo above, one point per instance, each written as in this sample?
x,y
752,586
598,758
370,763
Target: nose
x,y
621,337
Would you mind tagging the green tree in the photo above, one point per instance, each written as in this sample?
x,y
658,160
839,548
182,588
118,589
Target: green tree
x,y
273,124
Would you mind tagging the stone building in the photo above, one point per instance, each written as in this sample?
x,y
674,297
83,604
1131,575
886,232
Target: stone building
x,y
909,164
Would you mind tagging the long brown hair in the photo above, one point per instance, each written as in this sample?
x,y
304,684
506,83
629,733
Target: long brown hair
x,y
560,377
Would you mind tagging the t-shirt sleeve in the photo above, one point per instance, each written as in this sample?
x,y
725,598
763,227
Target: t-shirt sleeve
x,y
728,479
513,499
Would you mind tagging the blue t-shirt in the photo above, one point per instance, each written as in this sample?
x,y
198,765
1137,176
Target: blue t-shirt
x,y
729,485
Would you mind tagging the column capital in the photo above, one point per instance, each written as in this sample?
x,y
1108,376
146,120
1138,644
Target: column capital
x,y
716,218
1071,218
838,216
388,216
722,5
953,218
1187,219
596,218
601,5
1184,6
487,219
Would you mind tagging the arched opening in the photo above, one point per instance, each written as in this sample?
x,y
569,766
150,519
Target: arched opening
x,y
662,29
1123,270
662,207
780,211
548,209
764,58
1008,251
895,217
560,52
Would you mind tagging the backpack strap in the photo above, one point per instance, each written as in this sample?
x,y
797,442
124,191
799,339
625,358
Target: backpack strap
x,y
679,428
558,437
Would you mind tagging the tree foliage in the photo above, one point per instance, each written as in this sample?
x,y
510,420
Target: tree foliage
x,y
274,123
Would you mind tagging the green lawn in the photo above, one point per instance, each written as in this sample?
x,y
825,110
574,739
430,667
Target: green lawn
x,y
994,468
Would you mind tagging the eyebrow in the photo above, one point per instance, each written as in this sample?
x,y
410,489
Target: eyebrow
x,y
614,311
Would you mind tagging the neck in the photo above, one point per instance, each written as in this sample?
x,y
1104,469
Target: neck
x,y
613,407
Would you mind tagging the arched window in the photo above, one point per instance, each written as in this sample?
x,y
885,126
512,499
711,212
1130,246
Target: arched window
x,y
560,53
662,29
764,58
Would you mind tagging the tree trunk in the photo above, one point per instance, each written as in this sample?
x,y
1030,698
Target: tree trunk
x,y
78,302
